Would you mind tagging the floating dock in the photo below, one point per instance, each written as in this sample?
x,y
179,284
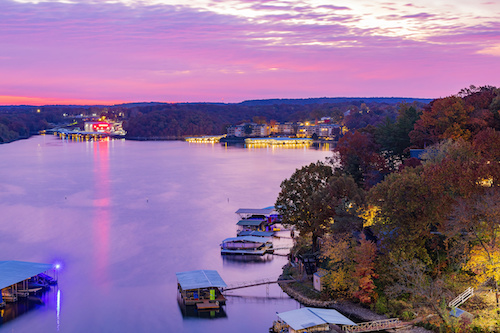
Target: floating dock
x,y
20,279
201,288
205,138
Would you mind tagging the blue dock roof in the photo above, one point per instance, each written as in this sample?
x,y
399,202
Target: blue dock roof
x,y
200,279
309,317
253,211
12,272
251,222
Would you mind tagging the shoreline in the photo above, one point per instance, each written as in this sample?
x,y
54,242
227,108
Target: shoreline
x,y
350,309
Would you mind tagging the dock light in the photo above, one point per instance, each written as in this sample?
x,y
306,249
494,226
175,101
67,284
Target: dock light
x,y
57,266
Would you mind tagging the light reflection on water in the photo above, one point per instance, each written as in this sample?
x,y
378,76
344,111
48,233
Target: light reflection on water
x,y
123,216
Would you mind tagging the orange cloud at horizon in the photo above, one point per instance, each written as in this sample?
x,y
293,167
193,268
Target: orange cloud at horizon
x,y
40,101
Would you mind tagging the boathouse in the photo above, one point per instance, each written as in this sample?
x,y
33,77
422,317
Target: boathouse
x,y
17,278
247,245
252,224
201,288
252,219
310,320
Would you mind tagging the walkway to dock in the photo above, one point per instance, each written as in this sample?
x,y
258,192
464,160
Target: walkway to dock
x,y
255,283
377,325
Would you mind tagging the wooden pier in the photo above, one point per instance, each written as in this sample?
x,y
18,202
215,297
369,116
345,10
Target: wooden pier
x,y
255,283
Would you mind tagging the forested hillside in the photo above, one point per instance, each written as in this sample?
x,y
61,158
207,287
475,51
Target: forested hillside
x,y
407,235
175,120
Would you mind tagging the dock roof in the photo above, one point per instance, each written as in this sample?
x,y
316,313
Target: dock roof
x,y
308,317
200,279
256,233
251,222
254,211
12,271
251,239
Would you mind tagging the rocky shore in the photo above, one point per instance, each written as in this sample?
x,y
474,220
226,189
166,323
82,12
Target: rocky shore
x,y
351,310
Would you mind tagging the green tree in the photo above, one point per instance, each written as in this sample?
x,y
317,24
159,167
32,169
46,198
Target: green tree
x,y
393,136
304,202
406,209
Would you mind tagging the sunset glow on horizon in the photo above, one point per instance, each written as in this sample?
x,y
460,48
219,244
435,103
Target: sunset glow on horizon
x,y
111,52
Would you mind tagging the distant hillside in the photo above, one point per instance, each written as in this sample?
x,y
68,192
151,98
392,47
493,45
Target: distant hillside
x,y
335,100
174,120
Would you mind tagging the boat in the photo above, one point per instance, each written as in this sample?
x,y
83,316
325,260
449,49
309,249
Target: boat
x,y
247,245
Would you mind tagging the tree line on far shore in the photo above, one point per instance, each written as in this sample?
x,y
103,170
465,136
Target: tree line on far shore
x,y
406,235
177,120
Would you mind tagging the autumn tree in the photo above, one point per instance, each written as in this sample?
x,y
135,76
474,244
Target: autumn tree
x,y
475,223
359,158
487,144
364,271
446,118
337,253
411,277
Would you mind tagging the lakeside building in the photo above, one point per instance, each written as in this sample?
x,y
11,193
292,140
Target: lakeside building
x,y
287,128
249,130
104,127
323,128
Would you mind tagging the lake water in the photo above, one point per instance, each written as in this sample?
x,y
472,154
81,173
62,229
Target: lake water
x,y
122,217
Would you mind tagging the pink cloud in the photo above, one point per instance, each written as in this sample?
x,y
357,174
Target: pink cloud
x,y
111,52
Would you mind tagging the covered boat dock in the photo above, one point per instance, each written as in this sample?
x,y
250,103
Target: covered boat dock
x,y
309,320
247,245
16,277
201,288
252,219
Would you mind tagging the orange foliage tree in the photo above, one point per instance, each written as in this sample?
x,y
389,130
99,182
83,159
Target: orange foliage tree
x,y
364,272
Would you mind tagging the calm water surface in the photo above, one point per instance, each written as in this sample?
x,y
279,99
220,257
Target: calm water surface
x,y
122,217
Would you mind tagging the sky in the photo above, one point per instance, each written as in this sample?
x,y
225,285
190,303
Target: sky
x,y
116,51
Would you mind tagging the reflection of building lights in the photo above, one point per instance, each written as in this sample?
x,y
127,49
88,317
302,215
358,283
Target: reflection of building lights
x,y
58,308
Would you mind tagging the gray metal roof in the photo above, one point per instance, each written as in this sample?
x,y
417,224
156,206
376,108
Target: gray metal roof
x,y
256,233
252,222
200,279
251,239
12,272
308,317
263,211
